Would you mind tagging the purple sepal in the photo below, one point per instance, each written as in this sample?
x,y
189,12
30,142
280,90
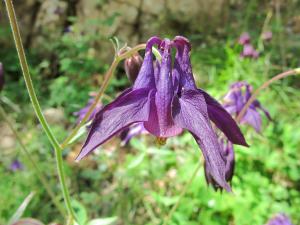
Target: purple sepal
x,y
236,99
228,156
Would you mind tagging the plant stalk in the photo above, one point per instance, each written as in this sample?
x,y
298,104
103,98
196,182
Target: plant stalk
x,y
182,194
35,103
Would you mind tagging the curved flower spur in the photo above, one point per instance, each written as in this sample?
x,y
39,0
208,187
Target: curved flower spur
x,y
167,101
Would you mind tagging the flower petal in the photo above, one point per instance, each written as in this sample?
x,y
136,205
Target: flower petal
x,y
160,121
128,108
257,104
145,78
182,63
223,120
190,112
131,131
253,118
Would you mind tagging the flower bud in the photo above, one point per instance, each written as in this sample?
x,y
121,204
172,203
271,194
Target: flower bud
x,y
244,38
1,76
132,66
267,36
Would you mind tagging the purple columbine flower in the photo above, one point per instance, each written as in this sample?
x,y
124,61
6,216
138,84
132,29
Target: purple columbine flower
x,y
244,38
249,52
280,219
16,165
228,156
235,100
1,77
132,131
166,100
82,112
267,35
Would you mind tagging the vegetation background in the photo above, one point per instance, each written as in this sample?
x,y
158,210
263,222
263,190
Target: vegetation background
x,y
67,44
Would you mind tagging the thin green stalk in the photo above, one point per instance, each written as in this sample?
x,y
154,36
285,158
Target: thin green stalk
x,y
182,194
37,170
25,70
264,29
103,87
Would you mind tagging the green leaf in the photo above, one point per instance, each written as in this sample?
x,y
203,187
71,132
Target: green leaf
x,y
103,221
136,162
80,212
19,213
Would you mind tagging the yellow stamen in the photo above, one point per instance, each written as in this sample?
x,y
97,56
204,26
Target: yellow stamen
x,y
161,141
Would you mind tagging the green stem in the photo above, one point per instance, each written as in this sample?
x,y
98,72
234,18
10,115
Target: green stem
x,y
103,87
37,170
35,103
182,194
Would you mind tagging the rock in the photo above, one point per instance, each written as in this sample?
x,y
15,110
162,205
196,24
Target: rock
x,y
54,115
8,141
50,21
132,21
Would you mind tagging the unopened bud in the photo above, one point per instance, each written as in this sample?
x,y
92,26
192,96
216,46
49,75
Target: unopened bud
x,y
1,76
132,66
267,36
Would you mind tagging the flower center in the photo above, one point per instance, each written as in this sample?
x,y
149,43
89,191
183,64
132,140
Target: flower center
x,y
161,141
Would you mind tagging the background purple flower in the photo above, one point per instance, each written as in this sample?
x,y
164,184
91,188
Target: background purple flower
x,y
279,219
249,52
82,112
244,38
235,100
132,131
16,165
267,36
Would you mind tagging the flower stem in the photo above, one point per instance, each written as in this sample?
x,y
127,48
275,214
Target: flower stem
x,y
182,194
103,87
264,86
35,103
37,170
